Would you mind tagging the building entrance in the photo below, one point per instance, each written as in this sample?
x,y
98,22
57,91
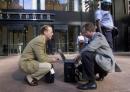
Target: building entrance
x,y
13,39
66,38
16,41
61,40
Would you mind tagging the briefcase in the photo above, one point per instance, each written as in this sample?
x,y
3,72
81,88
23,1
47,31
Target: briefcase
x,y
69,68
69,71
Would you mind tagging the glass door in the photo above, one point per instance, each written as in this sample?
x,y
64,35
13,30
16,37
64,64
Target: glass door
x,y
60,38
16,40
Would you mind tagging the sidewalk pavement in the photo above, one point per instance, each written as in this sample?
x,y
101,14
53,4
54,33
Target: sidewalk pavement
x,y
12,79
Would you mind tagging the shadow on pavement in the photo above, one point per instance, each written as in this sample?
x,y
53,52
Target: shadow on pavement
x,y
18,75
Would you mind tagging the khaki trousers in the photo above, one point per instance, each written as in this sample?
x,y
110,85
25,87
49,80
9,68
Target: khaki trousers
x,y
44,68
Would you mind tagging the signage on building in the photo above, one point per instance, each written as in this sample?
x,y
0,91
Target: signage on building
x,y
26,16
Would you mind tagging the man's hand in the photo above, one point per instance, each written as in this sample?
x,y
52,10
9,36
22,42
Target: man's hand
x,y
77,57
55,59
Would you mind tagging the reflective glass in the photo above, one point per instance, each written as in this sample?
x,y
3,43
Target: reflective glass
x,y
15,4
57,5
3,4
30,4
21,3
61,5
42,4
54,5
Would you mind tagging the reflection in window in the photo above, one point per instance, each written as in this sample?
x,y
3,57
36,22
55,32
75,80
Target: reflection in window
x,y
21,3
42,4
15,4
62,1
60,5
30,4
53,5
70,5
11,4
3,4
76,5
57,5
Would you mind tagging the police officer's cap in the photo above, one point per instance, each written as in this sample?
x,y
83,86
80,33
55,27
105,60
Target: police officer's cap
x,y
106,2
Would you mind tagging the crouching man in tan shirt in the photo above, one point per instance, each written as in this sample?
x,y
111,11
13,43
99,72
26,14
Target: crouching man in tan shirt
x,y
34,61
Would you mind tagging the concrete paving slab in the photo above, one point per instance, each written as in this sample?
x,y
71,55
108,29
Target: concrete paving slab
x,y
11,78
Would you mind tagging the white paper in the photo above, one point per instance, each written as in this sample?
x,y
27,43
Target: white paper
x,y
52,71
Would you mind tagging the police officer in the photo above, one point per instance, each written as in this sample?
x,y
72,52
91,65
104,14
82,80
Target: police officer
x,y
104,21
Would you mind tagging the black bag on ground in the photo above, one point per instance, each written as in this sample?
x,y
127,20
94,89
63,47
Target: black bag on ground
x,y
69,71
50,77
80,73
70,74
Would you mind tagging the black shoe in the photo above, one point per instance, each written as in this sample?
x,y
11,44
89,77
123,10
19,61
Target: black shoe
x,y
34,82
88,86
99,78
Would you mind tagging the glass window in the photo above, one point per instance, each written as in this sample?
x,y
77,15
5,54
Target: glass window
x,y
64,4
30,4
3,4
76,5
57,5
53,5
15,4
11,4
61,5
42,4
18,4
21,3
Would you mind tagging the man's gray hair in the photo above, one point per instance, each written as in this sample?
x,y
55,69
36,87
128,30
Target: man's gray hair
x,y
44,28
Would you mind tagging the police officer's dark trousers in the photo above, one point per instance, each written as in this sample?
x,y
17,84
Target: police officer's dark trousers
x,y
108,34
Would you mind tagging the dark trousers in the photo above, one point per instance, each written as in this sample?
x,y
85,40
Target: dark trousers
x,y
89,64
108,34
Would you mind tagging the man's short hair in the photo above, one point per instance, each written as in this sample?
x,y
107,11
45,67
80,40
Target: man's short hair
x,y
89,26
44,28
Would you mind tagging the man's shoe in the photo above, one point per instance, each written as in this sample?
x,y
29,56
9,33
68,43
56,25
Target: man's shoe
x,y
34,82
99,78
88,86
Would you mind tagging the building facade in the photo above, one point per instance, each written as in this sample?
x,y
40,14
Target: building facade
x,y
120,12
20,21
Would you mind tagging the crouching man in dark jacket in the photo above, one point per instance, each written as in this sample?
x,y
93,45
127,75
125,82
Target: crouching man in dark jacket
x,y
97,56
